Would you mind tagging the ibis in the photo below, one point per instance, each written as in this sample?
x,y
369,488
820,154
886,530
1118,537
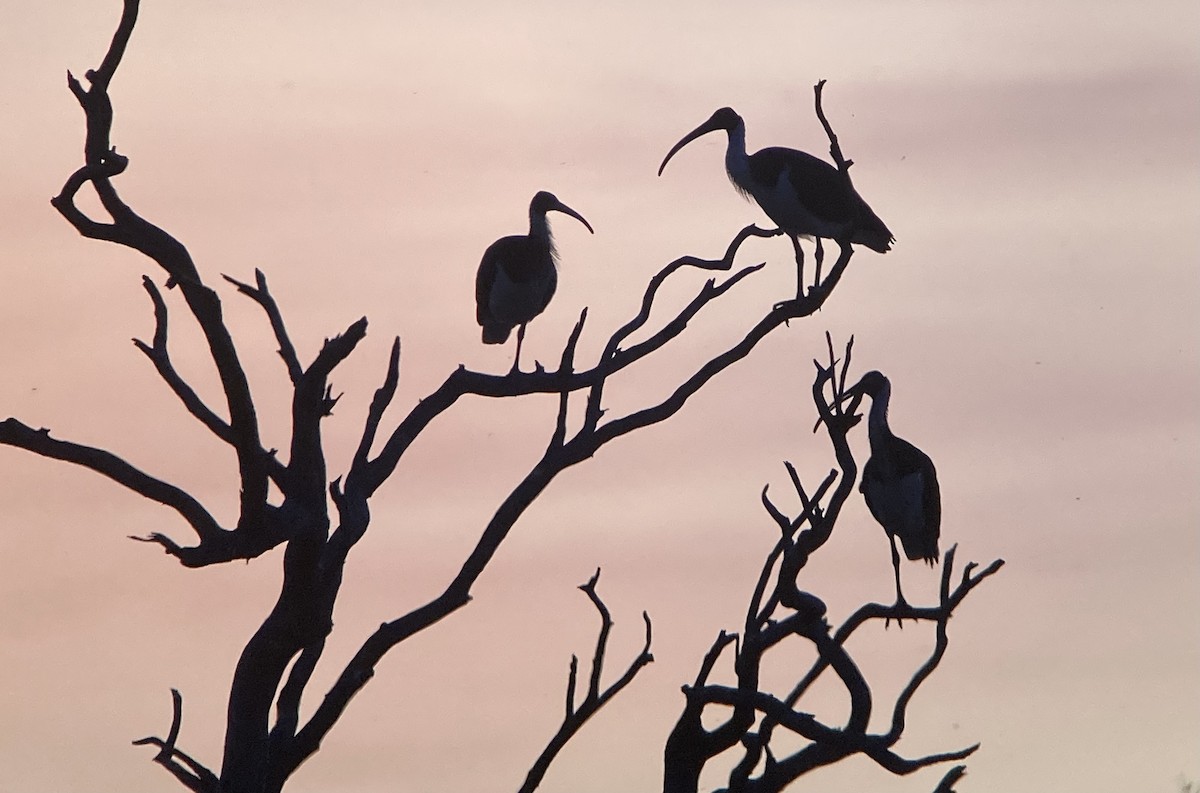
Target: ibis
x,y
804,195
899,483
518,275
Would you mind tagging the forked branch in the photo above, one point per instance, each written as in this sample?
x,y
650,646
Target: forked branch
x,y
262,295
595,697
160,356
758,714
193,774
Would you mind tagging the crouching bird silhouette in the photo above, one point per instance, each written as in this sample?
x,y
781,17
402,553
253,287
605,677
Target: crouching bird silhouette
x,y
518,276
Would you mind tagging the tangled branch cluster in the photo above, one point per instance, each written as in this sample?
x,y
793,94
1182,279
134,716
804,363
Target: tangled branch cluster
x,y
320,519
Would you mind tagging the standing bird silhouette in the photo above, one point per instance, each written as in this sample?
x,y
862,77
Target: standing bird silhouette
x,y
518,276
804,195
899,483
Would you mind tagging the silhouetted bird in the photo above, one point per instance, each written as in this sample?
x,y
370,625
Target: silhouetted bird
x,y
518,275
804,196
899,483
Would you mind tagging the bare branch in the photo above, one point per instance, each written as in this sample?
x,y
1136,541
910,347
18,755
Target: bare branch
x,y
379,403
595,698
724,263
102,76
835,151
262,295
690,746
160,357
287,707
130,230
193,774
877,611
352,506
951,779
556,459
572,677
785,525
566,366
291,639
312,402
14,433
613,360
803,724
899,765
670,330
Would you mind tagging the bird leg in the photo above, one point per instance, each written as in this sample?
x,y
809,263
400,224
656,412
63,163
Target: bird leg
x,y
520,339
900,601
799,265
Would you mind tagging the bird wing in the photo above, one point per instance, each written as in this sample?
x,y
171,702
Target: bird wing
x,y
933,503
904,497
484,278
919,470
817,184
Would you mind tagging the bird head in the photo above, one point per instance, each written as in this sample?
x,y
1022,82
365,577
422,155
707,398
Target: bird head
x,y
725,119
872,384
545,202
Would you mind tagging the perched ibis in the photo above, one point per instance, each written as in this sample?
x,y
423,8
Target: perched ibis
x,y
804,195
899,483
518,275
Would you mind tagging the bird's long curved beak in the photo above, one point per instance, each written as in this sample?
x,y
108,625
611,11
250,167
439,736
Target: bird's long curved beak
x,y
853,391
712,125
566,210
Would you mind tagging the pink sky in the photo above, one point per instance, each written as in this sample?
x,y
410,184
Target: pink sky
x,y
1037,316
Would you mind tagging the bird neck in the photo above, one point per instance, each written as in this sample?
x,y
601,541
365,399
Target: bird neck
x,y
539,231
736,161
877,420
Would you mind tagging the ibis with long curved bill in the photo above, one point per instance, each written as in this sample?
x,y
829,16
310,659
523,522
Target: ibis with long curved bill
x,y
804,195
518,275
899,482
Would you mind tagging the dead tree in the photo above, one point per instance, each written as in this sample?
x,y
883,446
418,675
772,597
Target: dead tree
x,y
779,612
319,517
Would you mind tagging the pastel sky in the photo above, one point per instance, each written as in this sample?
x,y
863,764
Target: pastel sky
x,y
1037,162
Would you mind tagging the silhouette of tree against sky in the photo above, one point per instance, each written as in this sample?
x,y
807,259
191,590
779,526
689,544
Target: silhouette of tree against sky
x,y
756,716
289,497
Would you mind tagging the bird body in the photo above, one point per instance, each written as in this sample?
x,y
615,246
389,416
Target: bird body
x,y
514,284
899,483
518,275
901,490
804,195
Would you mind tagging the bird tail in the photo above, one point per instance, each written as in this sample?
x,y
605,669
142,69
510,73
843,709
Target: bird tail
x,y
873,233
924,549
495,334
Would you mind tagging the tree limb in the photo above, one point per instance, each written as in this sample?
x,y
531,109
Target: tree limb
x,y
193,774
14,433
262,295
130,230
594,698
160,357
